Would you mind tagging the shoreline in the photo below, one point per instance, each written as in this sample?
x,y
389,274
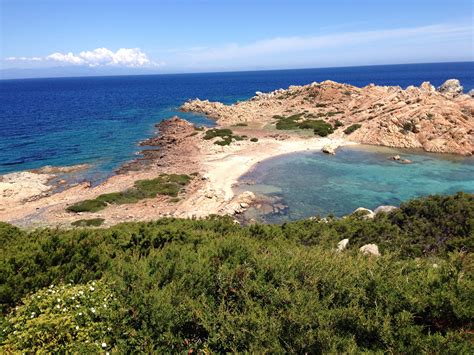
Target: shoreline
x,y
246,133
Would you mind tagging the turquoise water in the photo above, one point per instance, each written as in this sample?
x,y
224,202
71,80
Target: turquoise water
x,y
313,183
100,120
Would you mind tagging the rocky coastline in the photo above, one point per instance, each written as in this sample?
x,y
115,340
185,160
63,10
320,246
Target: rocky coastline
x,y
440,120
437,120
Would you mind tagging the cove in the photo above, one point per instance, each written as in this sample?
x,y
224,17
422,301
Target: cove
x,y
307,184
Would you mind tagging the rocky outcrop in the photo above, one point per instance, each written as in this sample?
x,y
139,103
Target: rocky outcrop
x,y
329,149
239,204
418,117
365,212
342,244
451,88
174,147
384,209
370,249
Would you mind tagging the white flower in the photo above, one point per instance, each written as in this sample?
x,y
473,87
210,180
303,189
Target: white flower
x,y
73,298
91,288
77,306
77,327
93,310
104,345
107,353
59,300
58,306
81,292
64,309
38,297
80,313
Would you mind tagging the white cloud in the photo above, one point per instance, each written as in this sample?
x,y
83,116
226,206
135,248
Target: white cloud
x,y
124,57
278,45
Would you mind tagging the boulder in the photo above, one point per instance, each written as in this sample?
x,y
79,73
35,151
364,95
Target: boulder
x,y
384,209
426,86
471,93
451,88
365,212
342,244
329,149
370,249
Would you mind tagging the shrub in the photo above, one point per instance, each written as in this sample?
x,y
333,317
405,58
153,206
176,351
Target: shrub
x,y
338,124
87,206
254,139
93,222
241,124
217,132
168,185
352,128
212,286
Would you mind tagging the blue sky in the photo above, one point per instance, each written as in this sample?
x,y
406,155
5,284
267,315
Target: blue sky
x,y
137,36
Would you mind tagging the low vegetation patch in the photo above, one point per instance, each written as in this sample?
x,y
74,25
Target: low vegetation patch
x,y
254,139
212,286
165,184
226,136
352,128
93,222
320,127
241,124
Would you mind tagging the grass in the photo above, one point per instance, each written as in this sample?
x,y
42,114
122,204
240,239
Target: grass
x,y
168,185
93,222
352,128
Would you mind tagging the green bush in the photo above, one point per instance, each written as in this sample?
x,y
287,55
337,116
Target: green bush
x,y
165,184
209,285
87,206
352,128
241,124
93,222
254,139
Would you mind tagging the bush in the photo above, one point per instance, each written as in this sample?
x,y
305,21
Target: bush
x,y
213,286
254,139
168,185
93,222
87,206
352,128
241,124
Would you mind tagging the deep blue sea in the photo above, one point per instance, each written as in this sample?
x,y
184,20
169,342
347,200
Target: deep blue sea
x,y
100,120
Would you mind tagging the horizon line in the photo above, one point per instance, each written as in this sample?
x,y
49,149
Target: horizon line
x,y
221,72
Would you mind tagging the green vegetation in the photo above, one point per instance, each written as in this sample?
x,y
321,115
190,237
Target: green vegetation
x,y
169,185
338,124
212,286
93,222
241,124
320,127
225,134
352,128
254,139
409,126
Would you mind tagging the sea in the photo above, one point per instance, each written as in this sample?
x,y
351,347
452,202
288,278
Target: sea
x,y
101,120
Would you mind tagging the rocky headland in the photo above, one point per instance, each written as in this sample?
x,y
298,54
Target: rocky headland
x,y
433,119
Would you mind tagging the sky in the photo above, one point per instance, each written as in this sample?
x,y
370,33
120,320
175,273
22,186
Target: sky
x,y
100,37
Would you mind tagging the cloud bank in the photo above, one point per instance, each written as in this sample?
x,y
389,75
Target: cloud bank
x,y
124,57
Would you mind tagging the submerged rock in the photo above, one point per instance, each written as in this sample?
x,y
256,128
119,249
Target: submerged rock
x,y
370,249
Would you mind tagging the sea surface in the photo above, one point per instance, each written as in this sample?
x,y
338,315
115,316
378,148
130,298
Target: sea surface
x,y
313,183
100,120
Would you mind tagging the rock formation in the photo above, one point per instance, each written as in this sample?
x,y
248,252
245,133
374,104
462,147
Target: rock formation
x,y
370,249
439,120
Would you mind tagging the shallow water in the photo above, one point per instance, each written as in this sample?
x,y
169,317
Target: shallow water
x,y
100,120
314,183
